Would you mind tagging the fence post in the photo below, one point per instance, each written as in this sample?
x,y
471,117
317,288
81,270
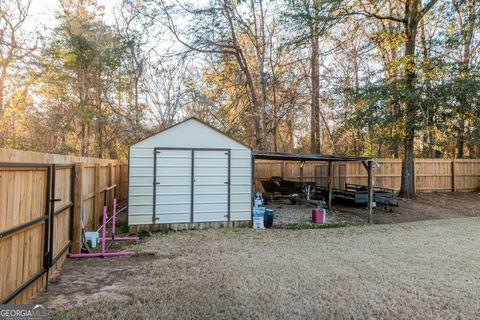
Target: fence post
x,y
96,199
77,209
117,167
414,175
453,176
122,190
111,182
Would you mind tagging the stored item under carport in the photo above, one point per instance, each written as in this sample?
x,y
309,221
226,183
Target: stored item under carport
x,y
268,218
318,215
355,194
258,217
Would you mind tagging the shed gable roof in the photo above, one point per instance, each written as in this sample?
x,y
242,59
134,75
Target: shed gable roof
x,y
189,120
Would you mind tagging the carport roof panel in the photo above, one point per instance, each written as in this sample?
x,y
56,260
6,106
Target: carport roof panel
x,y
268,155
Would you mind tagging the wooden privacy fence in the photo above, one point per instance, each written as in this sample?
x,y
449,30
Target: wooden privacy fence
x,y
42,197
429,174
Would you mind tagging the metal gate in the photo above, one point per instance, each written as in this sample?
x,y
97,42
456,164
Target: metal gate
x,y
35,213
191,185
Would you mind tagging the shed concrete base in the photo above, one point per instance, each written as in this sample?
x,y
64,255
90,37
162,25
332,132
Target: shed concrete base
x,y
190,226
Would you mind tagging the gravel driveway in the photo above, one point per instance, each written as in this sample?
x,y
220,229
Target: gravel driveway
x,y
420,270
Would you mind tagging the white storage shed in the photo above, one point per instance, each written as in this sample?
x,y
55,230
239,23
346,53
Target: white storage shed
x,y
189,173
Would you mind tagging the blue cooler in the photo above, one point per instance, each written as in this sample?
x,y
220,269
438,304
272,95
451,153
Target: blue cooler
x,y
268,218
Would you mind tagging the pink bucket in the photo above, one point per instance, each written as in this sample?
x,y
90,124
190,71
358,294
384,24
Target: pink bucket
x,y
318,216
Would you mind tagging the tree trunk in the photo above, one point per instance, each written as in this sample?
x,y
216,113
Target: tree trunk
x,y
432,141
83,149
461,139
261,52
315,137
242,63
259,141
406,187
1,98
2,108
431,109
99,137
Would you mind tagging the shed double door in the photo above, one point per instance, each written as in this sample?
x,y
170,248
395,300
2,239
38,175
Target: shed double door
x,y
192,185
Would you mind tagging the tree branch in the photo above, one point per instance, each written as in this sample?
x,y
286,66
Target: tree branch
x,y
376,16
427,7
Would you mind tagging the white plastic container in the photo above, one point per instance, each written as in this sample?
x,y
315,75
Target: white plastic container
x,y
258,223
258,199
258,217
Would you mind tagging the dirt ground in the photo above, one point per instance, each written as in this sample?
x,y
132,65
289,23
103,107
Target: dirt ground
x,y
420,270
426,206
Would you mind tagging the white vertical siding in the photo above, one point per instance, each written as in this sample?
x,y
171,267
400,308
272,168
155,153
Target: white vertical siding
x,y
173,187
174,169
241,184
210,189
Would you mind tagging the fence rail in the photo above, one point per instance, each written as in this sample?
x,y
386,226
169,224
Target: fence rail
x,y
429,174
42,197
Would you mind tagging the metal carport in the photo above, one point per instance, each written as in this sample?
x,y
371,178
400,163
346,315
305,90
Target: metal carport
x,y
368,162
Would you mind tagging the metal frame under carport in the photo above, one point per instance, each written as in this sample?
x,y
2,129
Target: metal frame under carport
x,y
368,163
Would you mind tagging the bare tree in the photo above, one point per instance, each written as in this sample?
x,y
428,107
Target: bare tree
x,y
166,94
15,47
220,29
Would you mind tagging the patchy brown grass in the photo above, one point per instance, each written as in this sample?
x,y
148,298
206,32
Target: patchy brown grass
x,y
421,270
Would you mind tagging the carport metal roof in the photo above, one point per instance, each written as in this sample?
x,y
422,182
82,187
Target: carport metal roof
x,y
268,155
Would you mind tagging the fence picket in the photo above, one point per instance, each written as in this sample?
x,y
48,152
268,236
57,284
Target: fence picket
x,y
23,187
430,174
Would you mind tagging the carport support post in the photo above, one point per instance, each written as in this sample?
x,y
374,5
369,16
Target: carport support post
x,y
302,164
330,184
370,191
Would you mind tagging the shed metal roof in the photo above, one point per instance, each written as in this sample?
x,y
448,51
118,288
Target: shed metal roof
x,y
268,155
193,119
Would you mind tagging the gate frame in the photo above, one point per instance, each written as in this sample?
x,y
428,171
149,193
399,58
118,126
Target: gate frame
x,y
157,150
48,217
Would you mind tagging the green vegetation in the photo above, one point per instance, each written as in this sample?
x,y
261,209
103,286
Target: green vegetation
x,y
144,234
60,315
122,227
